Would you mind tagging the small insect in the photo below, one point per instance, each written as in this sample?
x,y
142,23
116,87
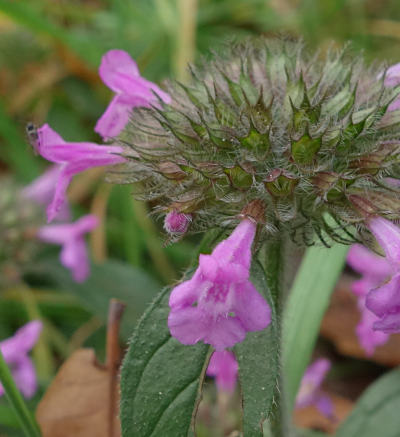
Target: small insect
x,y
33,137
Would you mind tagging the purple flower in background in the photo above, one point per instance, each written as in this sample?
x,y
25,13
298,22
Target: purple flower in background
x,y
42,189
15,352
374,270
72,158
384,301
121,74
392,79
74,254
310,388
224,367
219,304
176,222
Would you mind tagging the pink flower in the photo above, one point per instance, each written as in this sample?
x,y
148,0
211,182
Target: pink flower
x,y
176,222
42,189
121,74
392,79
310,388
15,352
71,236
72,158
374,269
219,304
384,301
224,367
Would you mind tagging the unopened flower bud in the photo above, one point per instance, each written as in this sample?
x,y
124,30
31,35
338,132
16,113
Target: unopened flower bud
x,y
176,222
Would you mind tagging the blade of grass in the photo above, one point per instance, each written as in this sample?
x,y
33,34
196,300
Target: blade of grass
x,y
306,305
16,400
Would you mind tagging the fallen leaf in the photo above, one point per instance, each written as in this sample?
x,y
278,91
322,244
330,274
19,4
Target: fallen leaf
x,y
339,324
311,418
77,402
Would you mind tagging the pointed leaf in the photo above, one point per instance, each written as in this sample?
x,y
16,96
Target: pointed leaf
x,y
161,379
258,361
376,413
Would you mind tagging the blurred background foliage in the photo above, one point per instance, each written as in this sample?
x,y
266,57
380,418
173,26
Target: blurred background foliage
x,y
49,54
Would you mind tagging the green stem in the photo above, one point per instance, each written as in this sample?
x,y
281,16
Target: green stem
x,y
273,263
186,37
16,400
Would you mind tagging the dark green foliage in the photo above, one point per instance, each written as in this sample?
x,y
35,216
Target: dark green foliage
x,y
263,108
161,378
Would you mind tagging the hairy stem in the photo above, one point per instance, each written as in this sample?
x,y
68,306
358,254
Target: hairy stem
x,y
272,261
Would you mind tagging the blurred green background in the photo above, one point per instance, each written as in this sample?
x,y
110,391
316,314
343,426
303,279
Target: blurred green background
x,y
49,54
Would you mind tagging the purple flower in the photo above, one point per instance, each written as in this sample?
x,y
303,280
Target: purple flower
x,y
310,388
41,191
219,304
392,79
384,301
176,222
71,236
374,270
72,158
121,74
224,367
15,352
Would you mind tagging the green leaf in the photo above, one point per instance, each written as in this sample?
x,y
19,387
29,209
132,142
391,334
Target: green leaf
x,y
112,279
306,305
161,379
377,411
258,362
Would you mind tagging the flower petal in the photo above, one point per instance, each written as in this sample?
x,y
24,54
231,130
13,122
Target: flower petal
x,y
25,376
388,236
188,325
382,300
364,261
389,324
250,307
21,342
224,367
188,292
224,332
114,64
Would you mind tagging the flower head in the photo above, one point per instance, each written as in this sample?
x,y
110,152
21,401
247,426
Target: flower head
x,y
121,74
310,388
309,135
219,304
71,236
15,352
42,189
384,300
374,269
224,367
72,158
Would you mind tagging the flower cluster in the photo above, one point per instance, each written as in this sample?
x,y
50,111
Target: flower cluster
x,y
311,137
121,74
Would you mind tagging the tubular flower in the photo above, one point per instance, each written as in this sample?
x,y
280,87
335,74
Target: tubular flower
x,y
71,237
384,301
224,367
121,74
41,191
72,158
310,388
219,304
374,270
15,352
